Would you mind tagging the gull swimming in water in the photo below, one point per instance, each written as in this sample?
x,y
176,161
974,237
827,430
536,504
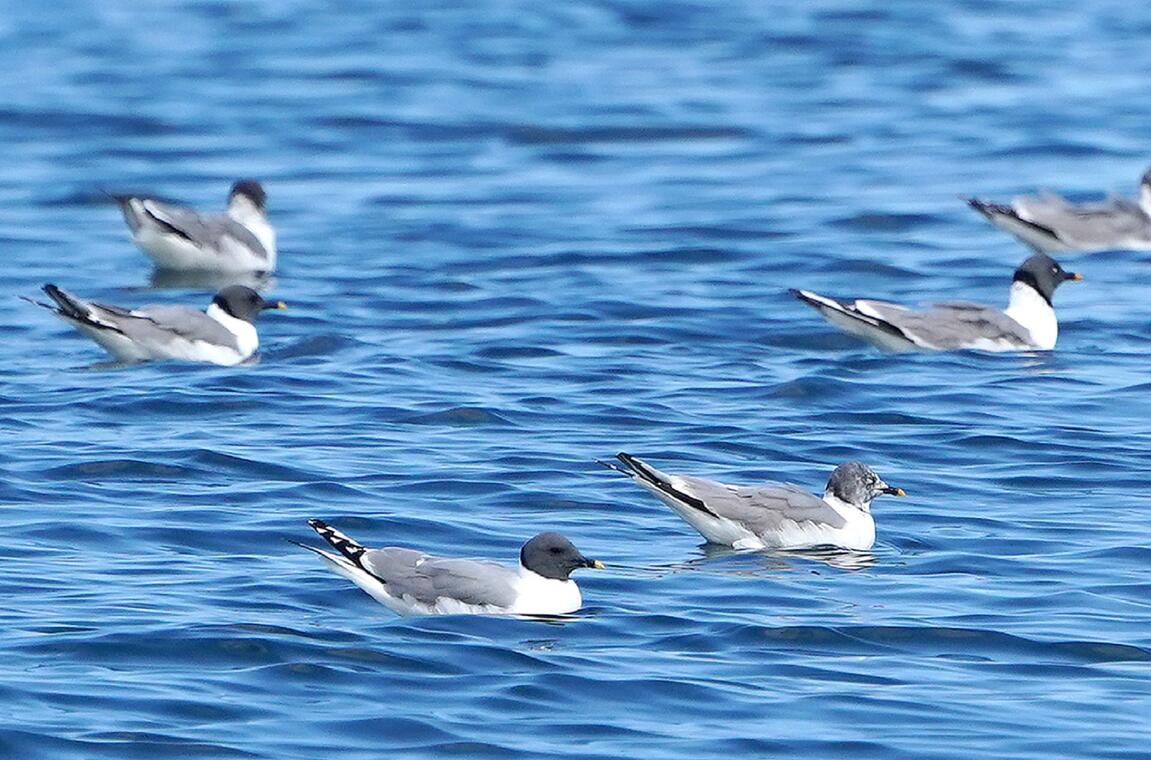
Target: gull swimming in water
x,y
1028,323
180,238
1050,223
223,334
410,582
772,515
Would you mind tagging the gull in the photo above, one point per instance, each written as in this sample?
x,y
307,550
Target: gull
x,y
223,334
180,238
1028,323
772,515
410,582
1049,222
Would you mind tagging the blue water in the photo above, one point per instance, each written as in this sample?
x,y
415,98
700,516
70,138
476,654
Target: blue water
x,y
519,236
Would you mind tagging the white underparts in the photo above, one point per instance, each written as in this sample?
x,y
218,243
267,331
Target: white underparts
x,y
1032,311
246,337
537,595
243,211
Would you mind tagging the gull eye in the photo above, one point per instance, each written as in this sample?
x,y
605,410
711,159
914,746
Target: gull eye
x,y
555,550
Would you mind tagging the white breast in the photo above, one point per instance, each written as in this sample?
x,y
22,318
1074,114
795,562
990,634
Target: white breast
x,y
859,531
242,211
537,595
1029,309
245,332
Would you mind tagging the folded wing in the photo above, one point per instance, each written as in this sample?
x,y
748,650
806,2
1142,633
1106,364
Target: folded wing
x,y
763,508
952,325
164,321
217,232
413,574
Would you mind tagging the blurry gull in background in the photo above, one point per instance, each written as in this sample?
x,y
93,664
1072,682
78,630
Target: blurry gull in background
x,y
180,238
1050,223
223,334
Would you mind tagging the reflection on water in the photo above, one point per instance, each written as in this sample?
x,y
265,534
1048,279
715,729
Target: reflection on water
x,y
547,227
725,560
167,279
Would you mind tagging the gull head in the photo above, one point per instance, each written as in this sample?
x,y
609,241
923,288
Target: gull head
x,y
242,302
248,191
1044,274
857,484
552,556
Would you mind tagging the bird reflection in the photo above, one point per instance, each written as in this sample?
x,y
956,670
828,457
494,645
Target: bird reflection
x,y
724,559
167,279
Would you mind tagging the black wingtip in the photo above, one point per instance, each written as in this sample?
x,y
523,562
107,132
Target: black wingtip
x,y
62,299
632,463
120,198
645,473
989,209
65,304
638,469
805,298
345,545
993,210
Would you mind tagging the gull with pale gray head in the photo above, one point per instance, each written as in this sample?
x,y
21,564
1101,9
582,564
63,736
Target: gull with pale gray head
x,y
223,334
771,515
180,238
1050,223
410,582
1028,323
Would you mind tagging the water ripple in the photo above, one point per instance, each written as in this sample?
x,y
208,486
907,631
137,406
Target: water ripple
x,y
517,239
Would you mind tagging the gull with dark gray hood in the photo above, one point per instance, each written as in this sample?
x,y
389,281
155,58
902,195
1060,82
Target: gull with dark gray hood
x,y
223,334
1027,324
180,238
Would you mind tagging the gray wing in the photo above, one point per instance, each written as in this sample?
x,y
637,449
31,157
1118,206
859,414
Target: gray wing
x,y
762,508
160,321
957,324
406,572
1110,221
209,231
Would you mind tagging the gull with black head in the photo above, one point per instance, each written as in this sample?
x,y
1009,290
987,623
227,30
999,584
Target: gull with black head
x,y
771,515
223,334
1027,324
180,238
1050,223
410,582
